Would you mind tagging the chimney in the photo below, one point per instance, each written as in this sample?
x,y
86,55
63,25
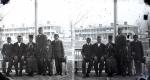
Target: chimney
x,y
125,23
100,25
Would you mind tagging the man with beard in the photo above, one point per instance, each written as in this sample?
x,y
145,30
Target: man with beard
x,y
99,50
41,42
121,52
31,61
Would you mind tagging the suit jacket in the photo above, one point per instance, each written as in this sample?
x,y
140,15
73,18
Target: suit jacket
x,y
58,49
137,48
110,49
41,41
87,50
7,50
99,51
31,48
19,50
120,42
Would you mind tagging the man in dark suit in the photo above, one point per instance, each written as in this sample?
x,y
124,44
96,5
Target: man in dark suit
x,y
58,51
111,64
41,42
20,54
31,61
87,57
138,54
7,53
121,52
99,50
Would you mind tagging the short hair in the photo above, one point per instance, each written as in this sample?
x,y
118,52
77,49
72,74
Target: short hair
x,y
31,36
48,40
98,36
56,35
120,29
110,37
8,38
40,28
135,36
88,38
19,36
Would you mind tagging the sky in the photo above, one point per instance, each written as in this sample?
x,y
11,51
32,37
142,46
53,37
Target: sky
x,y
78,12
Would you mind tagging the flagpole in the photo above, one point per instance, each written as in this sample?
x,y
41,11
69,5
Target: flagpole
x,y
35,24
115,18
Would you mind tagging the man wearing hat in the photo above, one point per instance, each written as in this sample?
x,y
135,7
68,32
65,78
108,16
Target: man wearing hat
x,y
7,53
87,57
20,54
41,42
58,52
99,50
138,54
31,61
110,57
121,52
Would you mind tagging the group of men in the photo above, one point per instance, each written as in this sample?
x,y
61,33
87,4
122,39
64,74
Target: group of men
x,y
116,57
36,57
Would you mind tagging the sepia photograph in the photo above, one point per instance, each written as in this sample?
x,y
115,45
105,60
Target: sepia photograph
x,y
74,40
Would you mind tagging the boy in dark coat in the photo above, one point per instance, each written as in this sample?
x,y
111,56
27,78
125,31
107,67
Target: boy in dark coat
x,y
138,54
87,57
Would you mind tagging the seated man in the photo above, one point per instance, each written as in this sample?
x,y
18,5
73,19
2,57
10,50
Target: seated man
x,y
31,61
7,52
20,53
99,50
87,57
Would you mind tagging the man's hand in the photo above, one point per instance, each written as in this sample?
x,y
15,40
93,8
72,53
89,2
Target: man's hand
x,y
15,57
22,57
95,58
102,58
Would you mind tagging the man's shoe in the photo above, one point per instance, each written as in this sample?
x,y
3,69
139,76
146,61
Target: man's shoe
x,y
87,75
56,74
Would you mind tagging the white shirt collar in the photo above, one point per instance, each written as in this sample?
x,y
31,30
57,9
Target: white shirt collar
x,y
19,43
98,44
88,43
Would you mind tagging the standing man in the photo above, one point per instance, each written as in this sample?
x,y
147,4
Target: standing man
x,y
87,57
120,42
7,53
58,51
110,67
138,54
31,61
20,53
99,50
41,42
